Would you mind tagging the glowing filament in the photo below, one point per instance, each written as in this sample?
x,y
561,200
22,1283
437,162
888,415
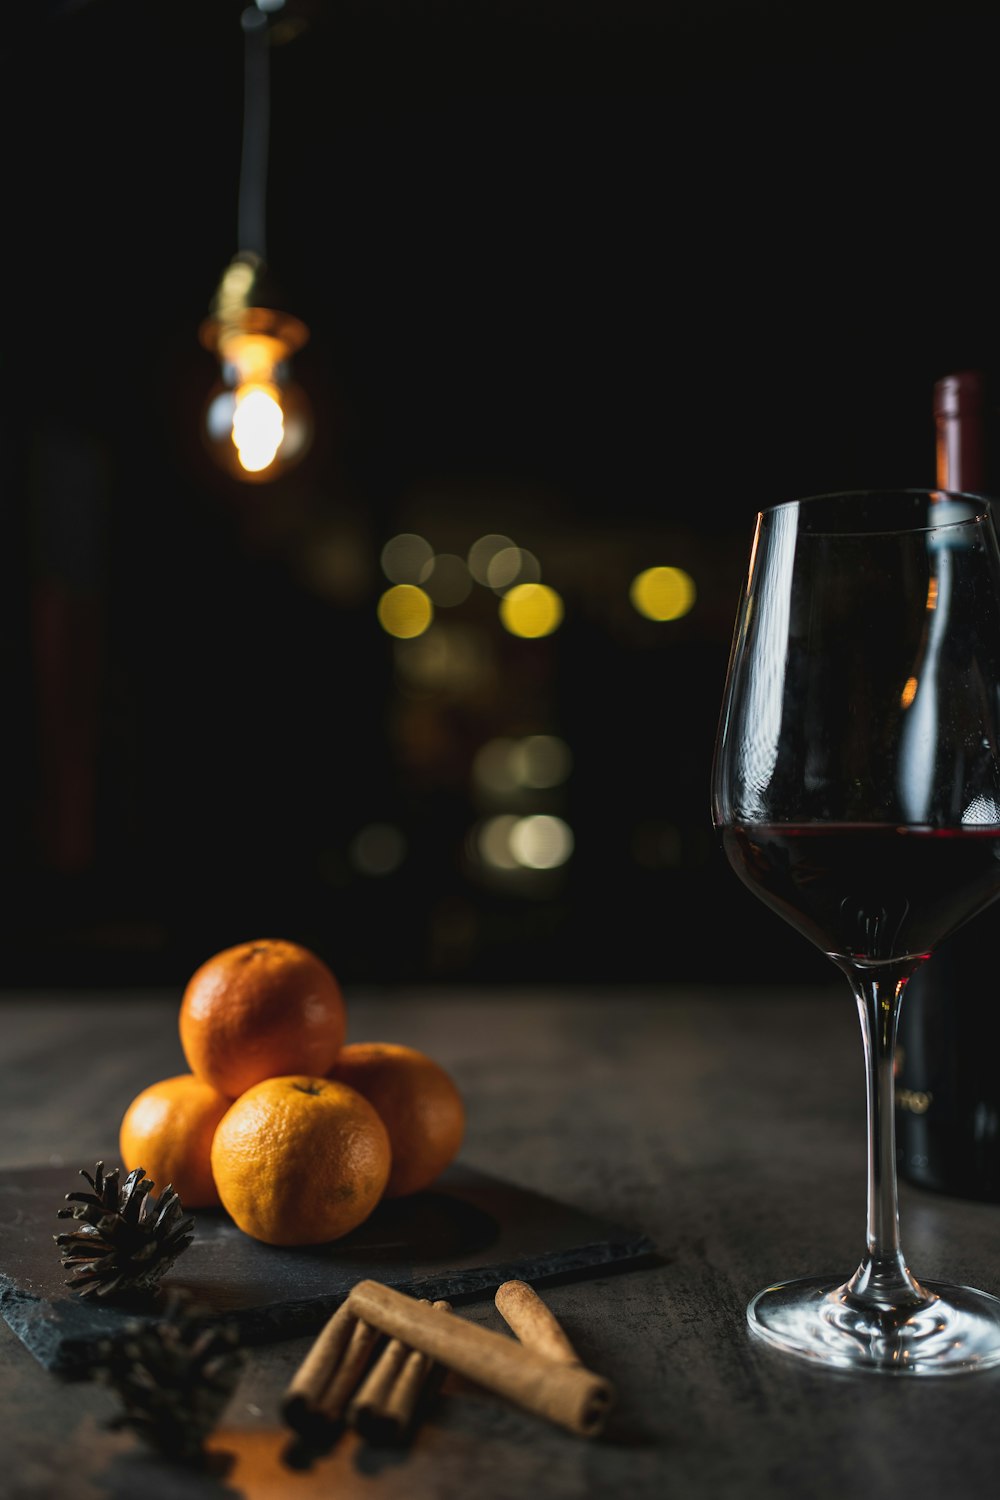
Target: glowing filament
x,y
258,426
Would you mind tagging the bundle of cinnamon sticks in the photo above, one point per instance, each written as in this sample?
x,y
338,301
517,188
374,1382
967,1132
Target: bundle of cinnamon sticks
x,y
377,1355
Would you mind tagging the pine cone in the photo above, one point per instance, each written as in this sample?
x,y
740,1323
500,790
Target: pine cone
x,y
127,1238
173,1376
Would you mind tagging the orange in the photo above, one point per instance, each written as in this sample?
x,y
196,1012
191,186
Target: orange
x,y
167,1130
300,1160
419,1102
260,1010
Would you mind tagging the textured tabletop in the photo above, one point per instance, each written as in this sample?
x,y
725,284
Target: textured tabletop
x,y
725,1126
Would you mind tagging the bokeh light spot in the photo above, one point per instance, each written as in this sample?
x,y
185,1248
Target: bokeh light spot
x,y
494,841
405,611
541,842
378,849
492,766
540,760
531,610
663,593
482,552
512,565
404,557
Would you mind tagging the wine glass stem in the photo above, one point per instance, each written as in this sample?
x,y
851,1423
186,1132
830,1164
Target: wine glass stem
x,y
882,1279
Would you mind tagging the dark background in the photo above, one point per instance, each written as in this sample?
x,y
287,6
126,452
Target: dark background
x,y
604,277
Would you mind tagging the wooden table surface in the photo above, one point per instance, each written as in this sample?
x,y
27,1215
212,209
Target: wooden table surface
x,y
726,1125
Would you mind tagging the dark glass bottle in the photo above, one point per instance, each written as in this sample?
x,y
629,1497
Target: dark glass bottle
x,y
948,1054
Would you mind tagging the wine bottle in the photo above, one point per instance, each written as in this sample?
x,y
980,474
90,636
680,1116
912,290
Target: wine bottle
x,y
948,1053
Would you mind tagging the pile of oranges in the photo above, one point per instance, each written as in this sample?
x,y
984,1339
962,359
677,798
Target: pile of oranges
x,y
296,1134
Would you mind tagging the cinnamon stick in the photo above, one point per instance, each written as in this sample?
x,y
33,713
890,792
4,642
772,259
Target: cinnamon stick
x,y
534,1323
300,1403
384,1407
569,1395
348,1372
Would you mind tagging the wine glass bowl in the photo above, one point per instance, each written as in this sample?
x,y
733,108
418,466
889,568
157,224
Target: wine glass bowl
x,y
856,790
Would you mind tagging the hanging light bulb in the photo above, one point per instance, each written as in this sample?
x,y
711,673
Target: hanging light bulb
x,y
257,421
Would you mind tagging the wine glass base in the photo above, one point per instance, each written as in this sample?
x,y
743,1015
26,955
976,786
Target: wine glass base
x,y
956,1331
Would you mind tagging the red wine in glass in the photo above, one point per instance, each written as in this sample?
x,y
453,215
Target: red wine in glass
x,y
864,893
856,790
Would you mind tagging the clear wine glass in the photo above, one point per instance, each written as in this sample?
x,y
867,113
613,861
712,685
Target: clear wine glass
x,y
856,788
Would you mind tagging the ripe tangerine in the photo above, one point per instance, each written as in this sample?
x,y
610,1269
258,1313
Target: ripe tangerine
x,y
300,1160
167,1130
261,1010
419,1103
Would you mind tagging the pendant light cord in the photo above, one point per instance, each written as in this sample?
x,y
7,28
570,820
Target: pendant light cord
x,y
251,214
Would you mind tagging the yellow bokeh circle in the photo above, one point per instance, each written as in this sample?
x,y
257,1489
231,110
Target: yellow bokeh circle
x,y
663,593
405,611
531,610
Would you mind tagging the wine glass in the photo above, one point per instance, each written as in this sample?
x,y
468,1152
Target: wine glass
x,y
856,788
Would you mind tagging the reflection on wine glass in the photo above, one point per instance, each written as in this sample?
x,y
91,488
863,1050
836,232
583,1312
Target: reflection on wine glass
x,y
856,788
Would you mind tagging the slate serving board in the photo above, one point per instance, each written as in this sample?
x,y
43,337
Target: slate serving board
x,y
458,1241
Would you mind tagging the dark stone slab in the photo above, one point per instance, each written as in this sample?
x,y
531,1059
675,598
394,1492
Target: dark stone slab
x,y
459,1241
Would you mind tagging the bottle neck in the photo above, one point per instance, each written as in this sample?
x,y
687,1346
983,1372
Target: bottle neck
x,y
961,412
